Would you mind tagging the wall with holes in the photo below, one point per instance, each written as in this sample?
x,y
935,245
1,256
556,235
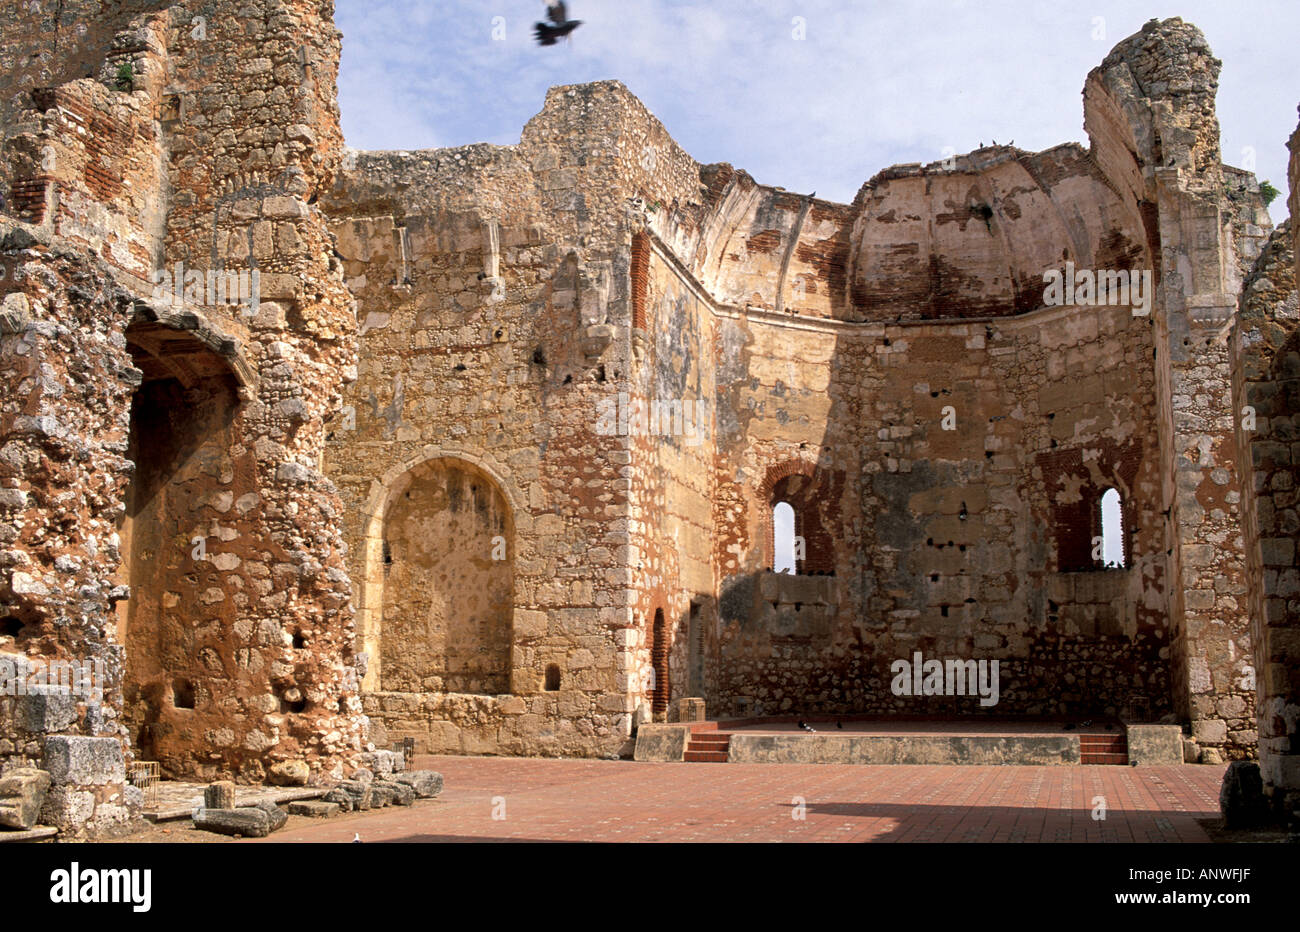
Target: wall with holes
x,y
973,542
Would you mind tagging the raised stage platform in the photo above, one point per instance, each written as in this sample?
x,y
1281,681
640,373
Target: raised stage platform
x,y
874,741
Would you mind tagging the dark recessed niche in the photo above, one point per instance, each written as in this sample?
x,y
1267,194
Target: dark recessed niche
x,y
552,678
299,642
183,694
295,707
11,627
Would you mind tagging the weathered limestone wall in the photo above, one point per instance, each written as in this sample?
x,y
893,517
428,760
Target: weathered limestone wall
x,y
961,544
233,602
63,475
1149,109
251,140
493,301
829,342
529,408
1266,355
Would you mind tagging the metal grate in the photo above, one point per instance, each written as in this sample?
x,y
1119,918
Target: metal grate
x,y
405,747
146,775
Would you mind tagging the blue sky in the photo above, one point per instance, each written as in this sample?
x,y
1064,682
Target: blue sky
x,y
873,84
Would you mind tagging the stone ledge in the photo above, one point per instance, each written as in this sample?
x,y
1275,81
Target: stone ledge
x,y
662,742
903,749
1150,745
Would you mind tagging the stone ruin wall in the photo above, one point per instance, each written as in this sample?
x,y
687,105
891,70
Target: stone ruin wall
x,y
492,288
1265,347
233,649
803,307
502,299
1150,112
815,398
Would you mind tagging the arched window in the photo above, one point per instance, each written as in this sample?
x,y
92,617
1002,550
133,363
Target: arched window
x,y
1112,529
784,559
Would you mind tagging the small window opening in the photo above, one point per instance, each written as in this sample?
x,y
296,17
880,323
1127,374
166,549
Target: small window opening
x,y
784,560
183,694
1112,530
552,678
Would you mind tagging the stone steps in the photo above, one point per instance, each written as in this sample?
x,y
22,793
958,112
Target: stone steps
x,y
707,745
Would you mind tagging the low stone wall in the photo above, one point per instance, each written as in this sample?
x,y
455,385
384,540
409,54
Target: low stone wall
x,y
460,723
903,749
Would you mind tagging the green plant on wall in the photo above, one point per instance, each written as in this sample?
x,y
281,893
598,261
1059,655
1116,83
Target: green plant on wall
x,y
1268,192
125,77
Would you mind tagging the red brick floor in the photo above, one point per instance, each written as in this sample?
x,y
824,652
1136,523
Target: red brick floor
x,y
580,800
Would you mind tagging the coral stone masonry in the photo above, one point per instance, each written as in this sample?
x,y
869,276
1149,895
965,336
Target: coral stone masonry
x,y
509,450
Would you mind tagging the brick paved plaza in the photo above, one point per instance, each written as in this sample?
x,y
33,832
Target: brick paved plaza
x,y
606,801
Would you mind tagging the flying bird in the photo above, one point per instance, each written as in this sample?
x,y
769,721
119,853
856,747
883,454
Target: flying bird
x,y
560,26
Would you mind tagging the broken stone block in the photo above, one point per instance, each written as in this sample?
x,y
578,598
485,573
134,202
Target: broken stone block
x,y
22,794
426,783
289,773
220,795
385,762
1241,797
48,711
314,808
249,822
402,794
277,816
67,807
359,793
380,795
84,761
341,798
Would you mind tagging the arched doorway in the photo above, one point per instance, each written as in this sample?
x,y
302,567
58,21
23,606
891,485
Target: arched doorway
x,y
184,485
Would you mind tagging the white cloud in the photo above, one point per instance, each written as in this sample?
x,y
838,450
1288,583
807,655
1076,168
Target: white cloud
x,y
873,84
